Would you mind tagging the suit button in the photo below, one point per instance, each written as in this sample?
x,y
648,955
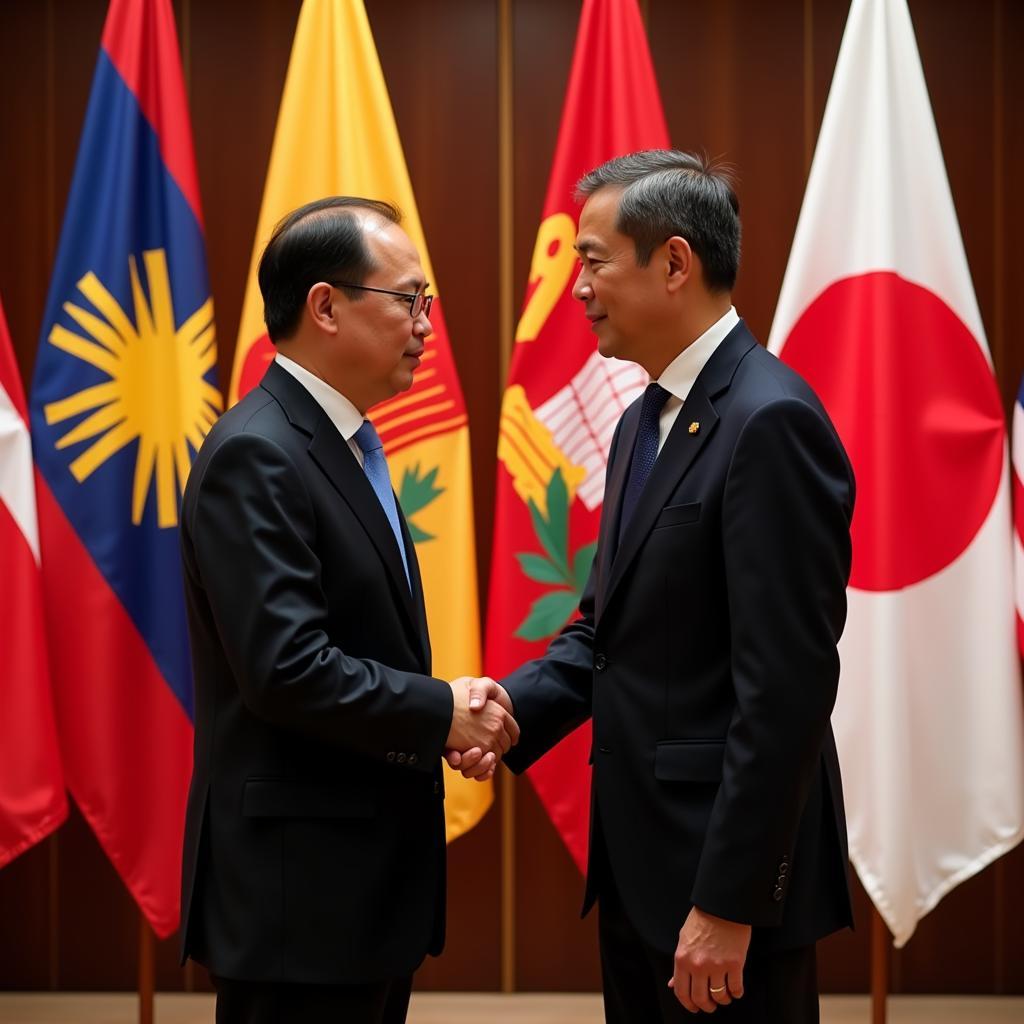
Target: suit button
x,y
777,895
413,758
783,868
437,788
600,663
391,756
401,759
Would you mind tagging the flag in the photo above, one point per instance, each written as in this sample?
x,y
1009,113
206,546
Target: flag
x,y
1018,513
122,397
878,313
563,400
336,135
32,798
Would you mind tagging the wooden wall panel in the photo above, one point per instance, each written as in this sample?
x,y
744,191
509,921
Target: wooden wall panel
x,y
98,925
237,56
543,36
742,80
729,91
27,938
1009,215
26,140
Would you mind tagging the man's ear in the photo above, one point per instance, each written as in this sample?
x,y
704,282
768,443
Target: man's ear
x,y
320,305
680,264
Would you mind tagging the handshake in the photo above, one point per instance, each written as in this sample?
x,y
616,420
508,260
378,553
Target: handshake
x,y
483,728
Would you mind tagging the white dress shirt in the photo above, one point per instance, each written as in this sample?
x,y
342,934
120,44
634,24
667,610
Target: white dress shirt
x,y
679,375
340,411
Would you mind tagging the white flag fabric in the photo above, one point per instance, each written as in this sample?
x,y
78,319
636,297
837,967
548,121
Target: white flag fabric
x,y
878,312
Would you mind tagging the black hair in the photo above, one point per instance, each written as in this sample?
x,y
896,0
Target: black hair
x,y
321,241
667,192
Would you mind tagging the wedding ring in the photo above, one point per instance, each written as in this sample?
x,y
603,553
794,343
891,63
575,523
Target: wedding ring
x,y
715,991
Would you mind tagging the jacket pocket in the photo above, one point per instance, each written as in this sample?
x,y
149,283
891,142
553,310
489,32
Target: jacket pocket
x,y
677,515
284,798
689,760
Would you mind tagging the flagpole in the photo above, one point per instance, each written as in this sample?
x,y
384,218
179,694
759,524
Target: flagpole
x,y
506,314
879,967
146,971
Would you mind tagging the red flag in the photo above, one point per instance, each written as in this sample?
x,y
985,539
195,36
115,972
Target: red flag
x,y
877,311
563,399
32,800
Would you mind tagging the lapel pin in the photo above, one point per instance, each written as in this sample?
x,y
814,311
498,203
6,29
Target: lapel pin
x,y
694,427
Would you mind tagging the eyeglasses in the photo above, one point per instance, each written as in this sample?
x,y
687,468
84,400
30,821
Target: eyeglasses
x,y
419,302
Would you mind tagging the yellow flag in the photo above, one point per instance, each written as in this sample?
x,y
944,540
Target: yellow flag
x,y
336,135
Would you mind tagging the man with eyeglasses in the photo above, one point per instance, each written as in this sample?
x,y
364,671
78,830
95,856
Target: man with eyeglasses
x,y
314,861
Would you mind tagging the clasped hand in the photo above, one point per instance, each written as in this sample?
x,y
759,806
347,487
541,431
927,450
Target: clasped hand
x,y
483,729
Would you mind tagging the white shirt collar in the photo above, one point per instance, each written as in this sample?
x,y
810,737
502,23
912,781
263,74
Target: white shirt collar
x,y
678,377
340,411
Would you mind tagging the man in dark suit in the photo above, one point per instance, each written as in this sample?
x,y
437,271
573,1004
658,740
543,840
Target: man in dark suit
x,y
706,646
314,859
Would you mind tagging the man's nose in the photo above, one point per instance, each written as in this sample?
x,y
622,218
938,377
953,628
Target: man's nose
x,y
422,326
581,286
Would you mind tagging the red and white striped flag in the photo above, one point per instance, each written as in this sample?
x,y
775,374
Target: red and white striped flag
x,y
32,799
878,312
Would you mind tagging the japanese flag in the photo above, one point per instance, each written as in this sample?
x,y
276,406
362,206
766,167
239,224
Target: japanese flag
x,y
877,311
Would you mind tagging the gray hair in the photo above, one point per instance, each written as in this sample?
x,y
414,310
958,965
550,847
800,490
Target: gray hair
x,y
667,192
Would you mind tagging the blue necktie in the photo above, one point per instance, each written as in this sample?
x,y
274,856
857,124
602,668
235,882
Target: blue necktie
x,y
375,466
645,451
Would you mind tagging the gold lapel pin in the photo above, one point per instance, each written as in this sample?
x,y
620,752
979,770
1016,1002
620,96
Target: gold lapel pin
x,y
694,427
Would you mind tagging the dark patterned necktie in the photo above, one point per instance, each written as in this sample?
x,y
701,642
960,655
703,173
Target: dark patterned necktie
x,y
645,451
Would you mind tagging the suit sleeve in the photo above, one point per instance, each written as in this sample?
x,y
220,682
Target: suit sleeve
x,y
785,530
552,695
253,531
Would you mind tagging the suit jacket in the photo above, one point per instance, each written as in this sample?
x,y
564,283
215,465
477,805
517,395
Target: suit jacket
x,y
706,654
314,840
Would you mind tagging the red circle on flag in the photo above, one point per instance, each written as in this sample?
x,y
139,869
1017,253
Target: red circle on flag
x,y
914,399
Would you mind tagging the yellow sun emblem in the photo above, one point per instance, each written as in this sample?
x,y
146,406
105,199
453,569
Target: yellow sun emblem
x,y
156,393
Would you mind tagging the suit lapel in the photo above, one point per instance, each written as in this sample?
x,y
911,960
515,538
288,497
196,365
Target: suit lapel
x,y
418,598
336,460
673,462
614,489
675,458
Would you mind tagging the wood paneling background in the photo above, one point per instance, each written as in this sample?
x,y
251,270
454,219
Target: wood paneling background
x,y
743,80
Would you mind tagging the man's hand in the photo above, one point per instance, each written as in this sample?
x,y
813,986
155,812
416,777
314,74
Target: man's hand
x,y
482,727
709,961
